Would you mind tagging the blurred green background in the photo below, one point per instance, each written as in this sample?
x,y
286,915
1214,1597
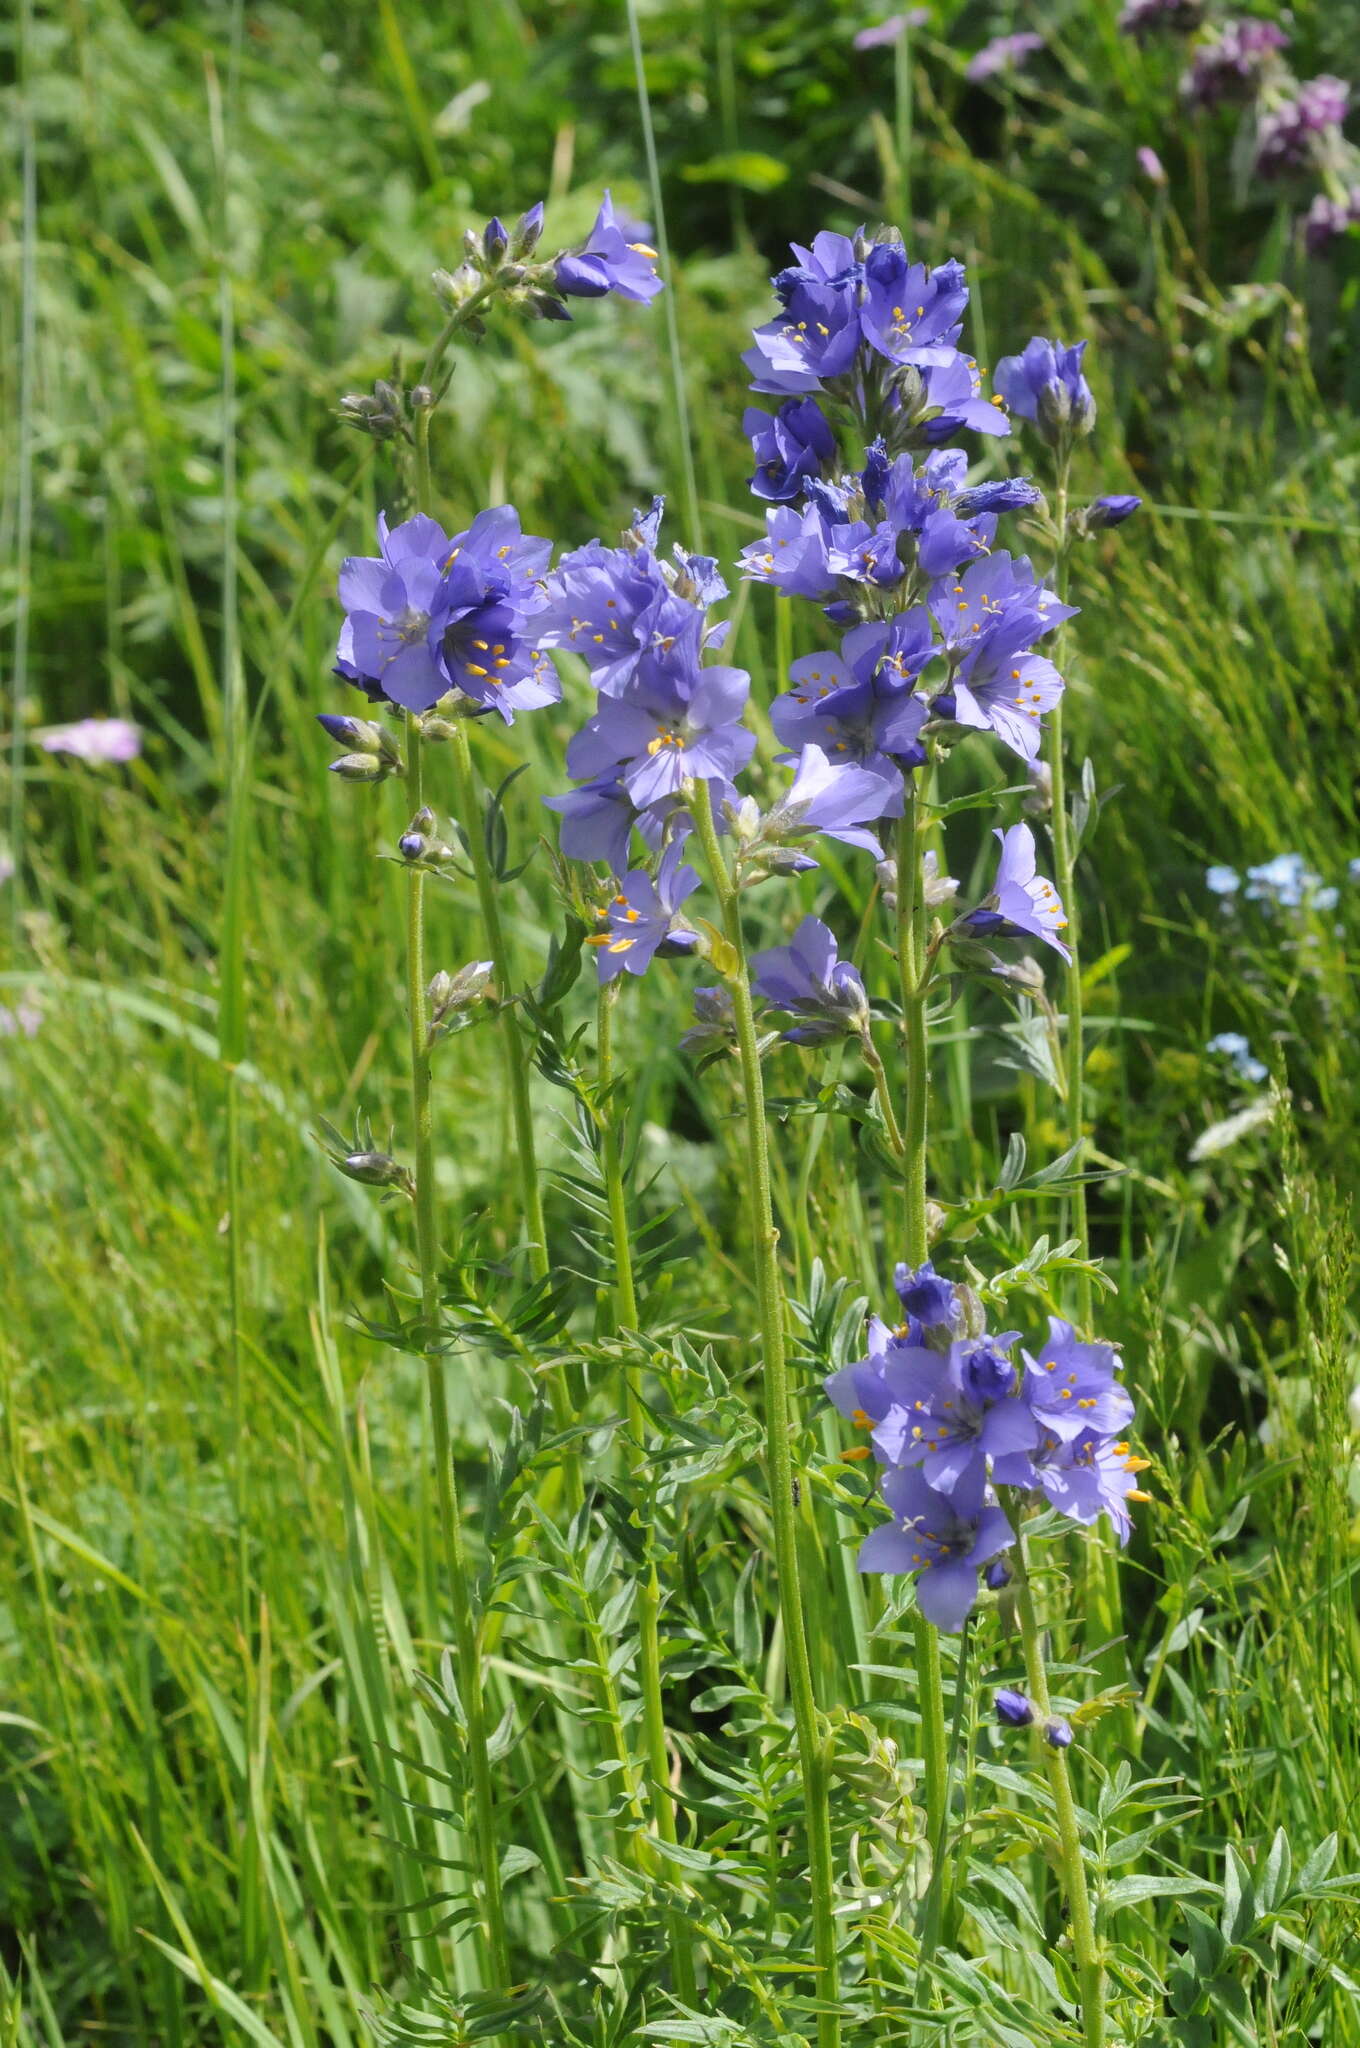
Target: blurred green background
x,y
215,222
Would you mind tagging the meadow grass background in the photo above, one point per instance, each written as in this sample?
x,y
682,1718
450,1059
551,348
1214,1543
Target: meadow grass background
x,y
219,1570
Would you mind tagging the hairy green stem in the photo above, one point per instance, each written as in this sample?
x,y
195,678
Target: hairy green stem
x,y
661,1798
516,1073
912,971
1090,1969
1064,863
1102,1557
813,1746
466,1644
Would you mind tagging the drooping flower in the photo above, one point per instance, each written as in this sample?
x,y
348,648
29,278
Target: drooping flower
x,y
1021,903
644,917
950,1413
789,446
810,980
928,1298
1003,53
1045,384
839,801
616,257
94,739
946,1541
714,1020
1013,1709
656,733
597,821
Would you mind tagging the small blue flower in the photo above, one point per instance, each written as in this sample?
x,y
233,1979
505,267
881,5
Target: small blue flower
x,y
660,731
825,798
1235,1048
1222,881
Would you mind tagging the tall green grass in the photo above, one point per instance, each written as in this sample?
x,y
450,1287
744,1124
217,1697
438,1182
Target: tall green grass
x,y
221,1617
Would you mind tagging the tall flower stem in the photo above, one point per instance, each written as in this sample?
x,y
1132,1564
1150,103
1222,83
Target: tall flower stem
x,y
912,981
1101,1551
466,796
1064,863
661,1798
1090,1970
466,1646
813,1749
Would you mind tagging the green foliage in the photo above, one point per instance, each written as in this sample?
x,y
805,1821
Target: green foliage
x,y
233,1797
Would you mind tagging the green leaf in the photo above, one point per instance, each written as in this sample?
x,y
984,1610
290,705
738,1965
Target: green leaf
x,y
751,169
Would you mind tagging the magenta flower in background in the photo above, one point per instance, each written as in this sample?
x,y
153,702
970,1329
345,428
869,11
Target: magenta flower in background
x,y
1229,68
892,30
1286,136
94,739
23,1022
1003,53
1151,165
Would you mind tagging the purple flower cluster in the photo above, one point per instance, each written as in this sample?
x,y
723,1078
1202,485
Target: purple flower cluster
x,y
1288,136
955,1418
1153,17
1045,384
1229,67
434,613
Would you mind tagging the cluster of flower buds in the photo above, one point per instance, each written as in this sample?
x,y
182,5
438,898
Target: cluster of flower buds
x,y
373,754
387,412
420,846
501,263
1016,1710
453,998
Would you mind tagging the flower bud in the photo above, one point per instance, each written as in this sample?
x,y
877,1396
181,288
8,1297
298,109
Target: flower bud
x,y
1111,511
472,246
1057,1733
423,820
997,1575
545,305
495,240
1013,1709
937,888
360,734
413,846
527,231
360,768
422,398
375,1170
1039,802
